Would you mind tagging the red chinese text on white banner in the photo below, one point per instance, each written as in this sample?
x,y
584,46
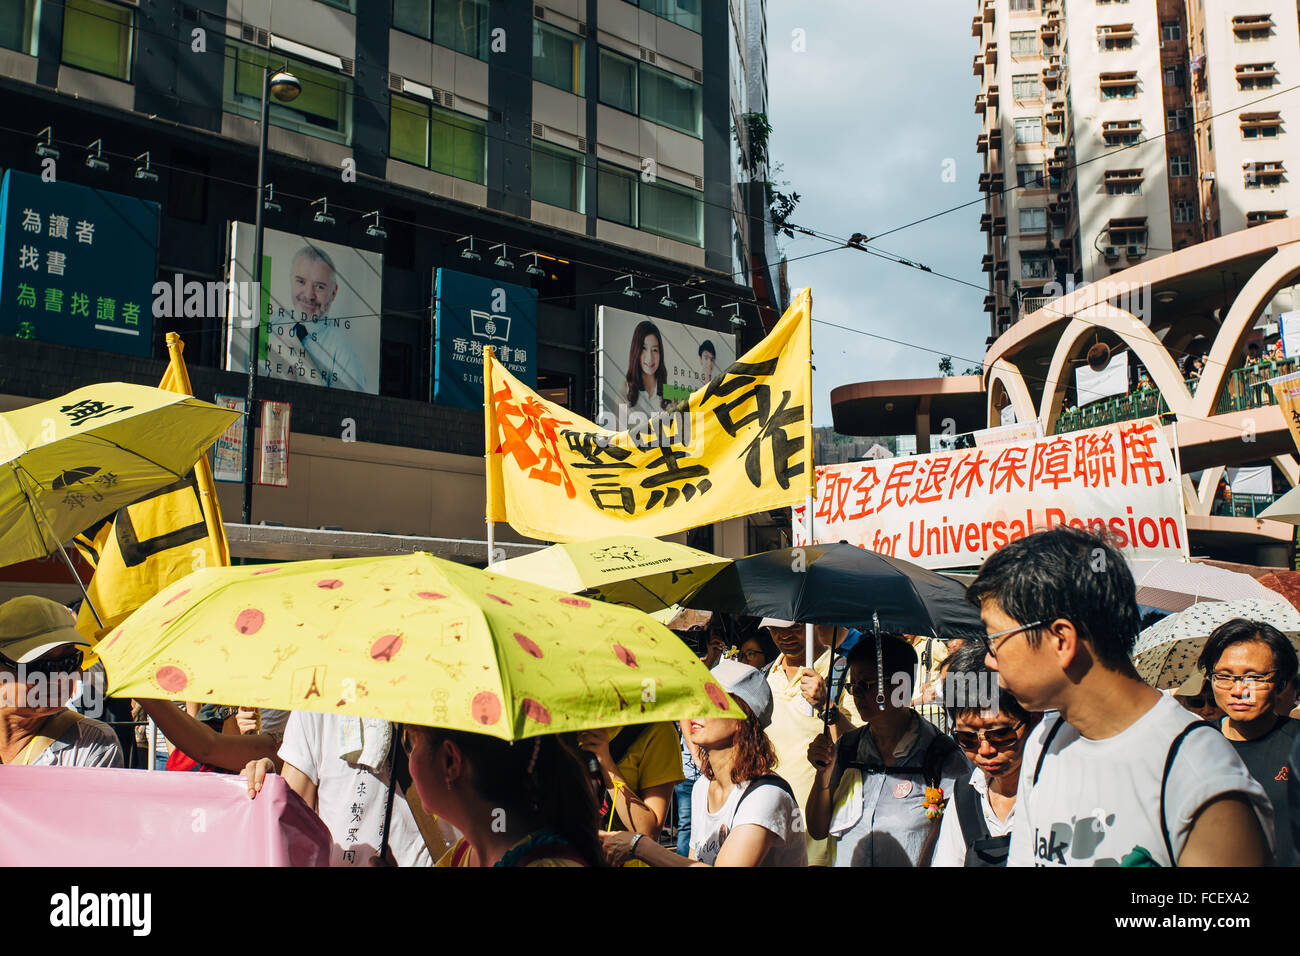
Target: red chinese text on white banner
x,y
954,509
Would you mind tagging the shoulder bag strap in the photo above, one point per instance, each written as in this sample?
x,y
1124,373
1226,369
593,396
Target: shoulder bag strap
x,y
1047,744
1164,780
969,813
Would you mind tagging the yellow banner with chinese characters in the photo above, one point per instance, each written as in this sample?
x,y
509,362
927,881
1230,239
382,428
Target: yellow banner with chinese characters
x,y
739,445
1287,391
142,548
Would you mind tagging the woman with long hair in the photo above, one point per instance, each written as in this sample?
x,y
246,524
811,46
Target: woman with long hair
x,y
742,814
646,373
521,803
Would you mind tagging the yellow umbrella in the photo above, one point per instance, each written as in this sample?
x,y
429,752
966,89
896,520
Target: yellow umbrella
x,y
641,572
67,463
412,639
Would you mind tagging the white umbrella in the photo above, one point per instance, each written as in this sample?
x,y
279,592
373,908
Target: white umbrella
x,y
1286,509
1172,585
1166,652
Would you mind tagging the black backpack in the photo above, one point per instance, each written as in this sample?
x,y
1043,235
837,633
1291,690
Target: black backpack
x,y
982,849
930,769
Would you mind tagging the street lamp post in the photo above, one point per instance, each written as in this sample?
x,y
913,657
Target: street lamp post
x,y
285,87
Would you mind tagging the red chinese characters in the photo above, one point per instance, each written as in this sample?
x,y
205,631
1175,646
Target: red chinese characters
x,y
527,433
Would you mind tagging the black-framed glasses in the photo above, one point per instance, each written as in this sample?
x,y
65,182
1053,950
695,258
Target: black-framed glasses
x,y
68,662
999,738
863,688
1007,635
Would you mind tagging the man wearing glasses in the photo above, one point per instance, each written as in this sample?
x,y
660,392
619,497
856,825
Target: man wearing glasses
x,y
1118,776
1248,664
40,657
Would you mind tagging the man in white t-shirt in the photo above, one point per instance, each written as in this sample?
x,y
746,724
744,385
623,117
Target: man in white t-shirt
x,y
349,795
1110,779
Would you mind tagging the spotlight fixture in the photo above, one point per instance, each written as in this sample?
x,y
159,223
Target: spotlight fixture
x,y
144,172
284,86
631,290
1166,296
469,253
96,160
736,321
667,301
703,307
501,261
374,230
323,216
268,201
534,269
46,149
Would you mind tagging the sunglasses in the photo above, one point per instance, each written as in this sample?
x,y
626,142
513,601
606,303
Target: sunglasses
x,y
67,663
999,738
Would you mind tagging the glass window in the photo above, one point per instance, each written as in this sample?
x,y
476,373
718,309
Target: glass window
x,y
617,194
1023,5
684,13
323,108
1175,76
672,211
1025,86
670,101
1024,43
413,16
1180,166
1029,129
462,25
618,81
559,177
16,22
408,131
1033,219
558,58
1035,267
457,145
97,37
1172,30
1183,211
1029,175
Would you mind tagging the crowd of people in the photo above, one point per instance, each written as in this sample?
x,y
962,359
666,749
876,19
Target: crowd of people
x,y
1051,751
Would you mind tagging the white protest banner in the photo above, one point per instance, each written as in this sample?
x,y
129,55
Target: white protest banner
x,y
275,444
1289,325
228,452
954,509
1007,433
1112,380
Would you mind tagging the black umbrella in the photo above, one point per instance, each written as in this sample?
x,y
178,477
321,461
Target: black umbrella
x,y
843,585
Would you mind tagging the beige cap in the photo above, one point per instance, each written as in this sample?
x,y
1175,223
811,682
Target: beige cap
x,y
31,627
776,622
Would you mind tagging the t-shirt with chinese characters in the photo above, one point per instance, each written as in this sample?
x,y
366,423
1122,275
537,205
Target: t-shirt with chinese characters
x,y
1097,802
769,807
350,799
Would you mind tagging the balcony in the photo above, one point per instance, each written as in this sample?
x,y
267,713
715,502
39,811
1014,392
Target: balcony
x,y
1001,270
1055,119
981,104
1242,506
993,96
990,10
1000,226
1248,387
978,66
995,138
991,54
986,263
1051,76
1145,403
977,26
1048,33
982,143
986,222
992,182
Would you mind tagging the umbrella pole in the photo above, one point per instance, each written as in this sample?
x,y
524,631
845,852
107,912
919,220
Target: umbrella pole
x,y
40,516
491,540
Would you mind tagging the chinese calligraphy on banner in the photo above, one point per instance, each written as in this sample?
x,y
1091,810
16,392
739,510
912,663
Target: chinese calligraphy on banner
x,y
954,509
738,445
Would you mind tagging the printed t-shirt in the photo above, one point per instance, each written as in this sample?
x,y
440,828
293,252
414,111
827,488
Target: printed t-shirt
x,y
350,800
1097,802
768,806
792,730
1266,758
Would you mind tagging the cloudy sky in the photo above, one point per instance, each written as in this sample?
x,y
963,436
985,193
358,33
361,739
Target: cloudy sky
x,y
864,121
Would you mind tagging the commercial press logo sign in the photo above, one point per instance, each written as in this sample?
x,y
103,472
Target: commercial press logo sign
x,y
473,313
489,326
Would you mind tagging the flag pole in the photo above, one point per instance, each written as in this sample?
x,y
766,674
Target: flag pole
x,y
489,427
202,471
811,491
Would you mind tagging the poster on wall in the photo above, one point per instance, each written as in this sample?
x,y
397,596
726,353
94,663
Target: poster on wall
x,y
77,265
474,312
275,444
646,365
1289,325
320,310
228,452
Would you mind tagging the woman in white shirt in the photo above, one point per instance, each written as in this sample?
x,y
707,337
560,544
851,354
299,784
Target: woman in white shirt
x,y
991,728
646,372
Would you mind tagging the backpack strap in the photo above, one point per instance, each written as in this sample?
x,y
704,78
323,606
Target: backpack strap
x,y
936,755
767,780
53,728
627,737
1164,780
970,815
1047,744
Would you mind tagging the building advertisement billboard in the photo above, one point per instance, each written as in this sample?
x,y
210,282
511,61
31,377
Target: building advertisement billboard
x,y
470,314
320,310
77,265
647,364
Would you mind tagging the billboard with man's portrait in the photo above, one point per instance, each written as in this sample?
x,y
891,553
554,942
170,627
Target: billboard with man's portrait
x,y
647,365
320,310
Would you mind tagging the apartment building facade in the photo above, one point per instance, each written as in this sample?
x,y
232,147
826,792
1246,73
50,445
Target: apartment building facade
x,y
581,149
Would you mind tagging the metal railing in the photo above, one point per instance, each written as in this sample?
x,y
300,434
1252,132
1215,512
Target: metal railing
x,y
1242,506
1248,387
1144,403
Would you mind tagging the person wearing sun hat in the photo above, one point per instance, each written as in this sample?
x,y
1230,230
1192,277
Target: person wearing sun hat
x,y
40,656
742,814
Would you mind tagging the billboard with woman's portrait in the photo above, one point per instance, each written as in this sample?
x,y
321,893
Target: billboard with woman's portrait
x,y
647,365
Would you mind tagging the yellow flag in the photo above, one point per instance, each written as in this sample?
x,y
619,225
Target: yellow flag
x,y
1287,391
739,445
147,545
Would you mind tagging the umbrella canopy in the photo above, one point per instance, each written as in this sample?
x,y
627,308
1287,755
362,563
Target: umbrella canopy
x,y
1285,583
845,585
1166,652
1286,509
413,639
644,573
67,463
1176,585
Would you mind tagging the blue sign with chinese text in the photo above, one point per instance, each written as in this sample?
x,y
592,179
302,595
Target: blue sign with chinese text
x,y
471,313
77,265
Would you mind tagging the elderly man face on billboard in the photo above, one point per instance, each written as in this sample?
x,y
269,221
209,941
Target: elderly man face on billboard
x,y
314,283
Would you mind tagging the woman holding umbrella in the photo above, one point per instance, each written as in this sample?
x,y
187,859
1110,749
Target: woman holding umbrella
x,y
521,803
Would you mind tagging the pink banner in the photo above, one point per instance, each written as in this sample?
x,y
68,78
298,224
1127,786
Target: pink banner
x,y
92,816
